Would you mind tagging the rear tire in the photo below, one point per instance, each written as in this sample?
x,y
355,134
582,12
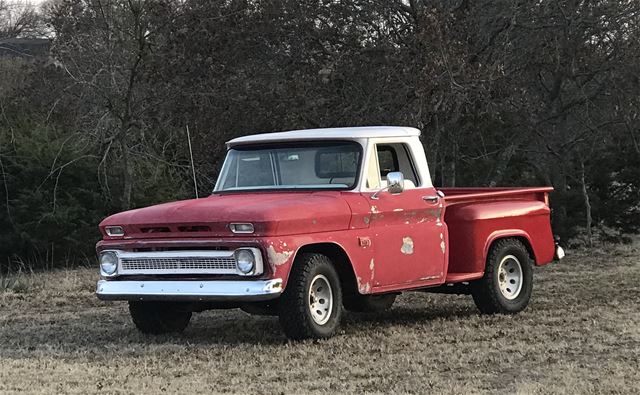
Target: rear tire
x,y
369,303
159,317
507,283
311,305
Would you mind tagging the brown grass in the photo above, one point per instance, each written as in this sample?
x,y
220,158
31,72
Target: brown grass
x,y
581,334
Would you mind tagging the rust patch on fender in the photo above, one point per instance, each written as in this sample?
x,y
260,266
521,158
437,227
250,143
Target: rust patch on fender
x,y
364,288
278,258
407,245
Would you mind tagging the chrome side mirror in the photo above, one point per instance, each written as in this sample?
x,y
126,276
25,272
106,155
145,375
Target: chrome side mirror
x,y
395,184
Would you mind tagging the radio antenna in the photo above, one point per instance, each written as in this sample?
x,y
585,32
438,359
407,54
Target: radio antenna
x,y
193,168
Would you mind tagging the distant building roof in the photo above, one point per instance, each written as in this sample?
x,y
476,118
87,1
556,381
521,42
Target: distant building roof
x,y
24,47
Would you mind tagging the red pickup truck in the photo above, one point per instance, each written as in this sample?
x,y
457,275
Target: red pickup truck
x,y
301,224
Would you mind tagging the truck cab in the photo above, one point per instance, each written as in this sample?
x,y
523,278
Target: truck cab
x,y
302,224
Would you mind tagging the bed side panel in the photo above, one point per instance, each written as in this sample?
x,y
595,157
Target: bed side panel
x,y
474,226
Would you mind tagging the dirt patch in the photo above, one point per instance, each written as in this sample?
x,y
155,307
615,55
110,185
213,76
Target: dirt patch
x,y
581,334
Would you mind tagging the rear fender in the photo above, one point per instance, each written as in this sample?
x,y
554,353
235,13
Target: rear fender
x,y
510,233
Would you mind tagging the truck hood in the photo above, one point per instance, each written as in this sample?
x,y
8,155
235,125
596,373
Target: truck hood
x,y
271,214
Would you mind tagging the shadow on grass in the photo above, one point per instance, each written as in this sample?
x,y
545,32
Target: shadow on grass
x,y
407,316
92,331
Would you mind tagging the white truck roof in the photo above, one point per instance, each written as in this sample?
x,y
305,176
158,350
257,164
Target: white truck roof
x,y
350,133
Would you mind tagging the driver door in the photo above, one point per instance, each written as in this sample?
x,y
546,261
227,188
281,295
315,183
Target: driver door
x,y
407,228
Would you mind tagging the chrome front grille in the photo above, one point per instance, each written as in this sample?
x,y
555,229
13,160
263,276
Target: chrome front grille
x,y
177,262
182,263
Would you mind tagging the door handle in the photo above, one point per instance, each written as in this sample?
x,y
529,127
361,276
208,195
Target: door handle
x,y
431,198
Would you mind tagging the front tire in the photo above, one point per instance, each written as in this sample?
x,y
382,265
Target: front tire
x,y
507,283
159,317
311,305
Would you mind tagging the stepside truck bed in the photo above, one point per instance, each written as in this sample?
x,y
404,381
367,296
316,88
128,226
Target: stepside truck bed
x,y
477,216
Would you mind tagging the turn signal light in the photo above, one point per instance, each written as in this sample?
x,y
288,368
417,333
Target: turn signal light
x,y
241,227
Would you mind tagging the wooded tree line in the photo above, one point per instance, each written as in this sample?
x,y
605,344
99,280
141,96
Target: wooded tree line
x,y
506,93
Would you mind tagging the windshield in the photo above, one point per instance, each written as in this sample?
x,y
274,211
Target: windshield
x,y
312,165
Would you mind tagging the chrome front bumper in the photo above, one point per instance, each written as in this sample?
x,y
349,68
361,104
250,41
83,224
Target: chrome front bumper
x,y
194,291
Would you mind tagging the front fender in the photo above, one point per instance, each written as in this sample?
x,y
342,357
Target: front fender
x,y
281,253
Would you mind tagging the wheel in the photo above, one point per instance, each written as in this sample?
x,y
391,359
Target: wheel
x,y
159,317
311,305
507,283
369,303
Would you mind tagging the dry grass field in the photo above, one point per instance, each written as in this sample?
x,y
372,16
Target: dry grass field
x,y
581,334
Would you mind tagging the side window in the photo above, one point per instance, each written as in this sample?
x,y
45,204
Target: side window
x,y
388,159
396,157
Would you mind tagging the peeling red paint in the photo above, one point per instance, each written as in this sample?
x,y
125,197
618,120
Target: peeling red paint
x,y
407,245
363,288
372,268
278,258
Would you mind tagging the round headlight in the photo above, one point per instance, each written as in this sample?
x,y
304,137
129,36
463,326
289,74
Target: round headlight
x,y
245,261
108,263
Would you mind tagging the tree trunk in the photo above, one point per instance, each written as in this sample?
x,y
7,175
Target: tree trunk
x,y
433,165
503,163
443,171
587,204
454,162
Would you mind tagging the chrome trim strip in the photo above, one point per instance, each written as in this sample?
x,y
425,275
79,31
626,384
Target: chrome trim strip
x,y
197,291
176,254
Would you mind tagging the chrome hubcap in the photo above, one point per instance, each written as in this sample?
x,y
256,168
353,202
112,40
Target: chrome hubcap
x,y
320,299
510,277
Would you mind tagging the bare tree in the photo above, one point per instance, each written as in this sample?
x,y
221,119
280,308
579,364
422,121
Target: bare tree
x,y
18,19
104,46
